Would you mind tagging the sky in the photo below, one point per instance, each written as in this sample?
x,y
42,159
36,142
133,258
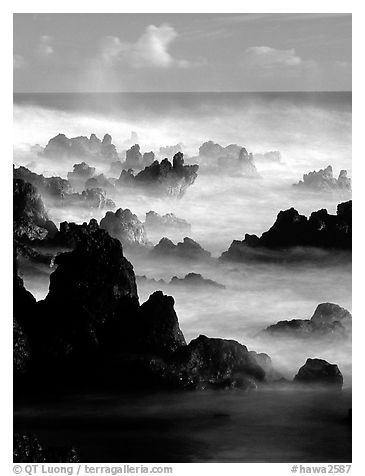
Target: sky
x,y
182,52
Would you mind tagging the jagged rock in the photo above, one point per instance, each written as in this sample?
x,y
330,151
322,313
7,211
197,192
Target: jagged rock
x,y
28,449
195,280
319,372
187,249
30,219
89,198
80,174
158,327
271,157
162,178
232,158
54,187
92,296
290,229
323,180
162,223
62,147
217,363
328,320
125,226
144,279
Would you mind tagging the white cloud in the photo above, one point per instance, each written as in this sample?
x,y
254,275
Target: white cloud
x,y
45,47
150,50
266,57
18,62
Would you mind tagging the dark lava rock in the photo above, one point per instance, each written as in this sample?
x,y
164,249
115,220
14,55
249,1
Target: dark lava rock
x,y
323,180
291,229
196,280
30,218
92,295
61,146
216,363
167,222
187,249
162,178
28,449
158,327
319,372
125,226
328,320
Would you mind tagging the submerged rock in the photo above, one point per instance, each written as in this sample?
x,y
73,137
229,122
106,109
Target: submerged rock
x,y
319,372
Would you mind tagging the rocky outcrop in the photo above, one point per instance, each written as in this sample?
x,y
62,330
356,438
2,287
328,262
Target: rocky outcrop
x,y
30,219
318,372
54,187
216,363
320,230
328,320
61,146
92,296
135,160
162,178
80,174
196,281
125,226
232,158
323,180
89,198
158,327
187,249
164,223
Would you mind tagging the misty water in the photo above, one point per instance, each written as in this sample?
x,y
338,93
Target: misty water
x,y
311,130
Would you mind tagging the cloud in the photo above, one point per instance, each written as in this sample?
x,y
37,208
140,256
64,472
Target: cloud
x,y
150,50
45,48
268,58
18,62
